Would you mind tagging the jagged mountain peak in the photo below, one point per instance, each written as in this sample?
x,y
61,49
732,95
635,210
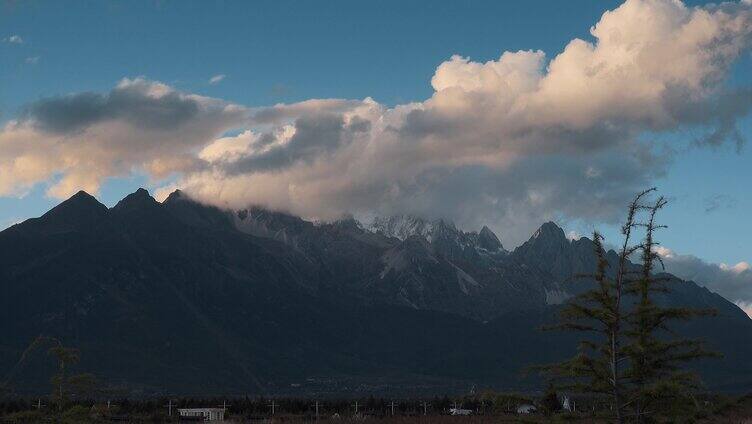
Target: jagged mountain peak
x,y
401,226
175,196
82,199
81,194
138,199
263,222
79,211
349,223
547,243
488,240
404,226
550,231
80,206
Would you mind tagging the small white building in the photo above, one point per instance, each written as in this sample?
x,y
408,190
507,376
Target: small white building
x,y
526,409
566,404
460,411
208,414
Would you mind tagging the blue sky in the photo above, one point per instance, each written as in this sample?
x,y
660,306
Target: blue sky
x,y
285,52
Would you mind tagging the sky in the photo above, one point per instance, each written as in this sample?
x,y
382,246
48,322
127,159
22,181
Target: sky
x,y
482,112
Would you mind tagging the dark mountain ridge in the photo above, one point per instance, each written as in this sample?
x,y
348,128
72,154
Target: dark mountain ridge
x,y
180,297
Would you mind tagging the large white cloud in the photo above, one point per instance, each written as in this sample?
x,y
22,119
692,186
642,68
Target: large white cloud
x,y
509,142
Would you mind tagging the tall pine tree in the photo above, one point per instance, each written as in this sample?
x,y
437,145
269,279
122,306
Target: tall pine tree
x,y
626,352
655,353
597,368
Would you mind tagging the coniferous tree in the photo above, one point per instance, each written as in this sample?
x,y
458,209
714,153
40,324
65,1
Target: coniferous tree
x,y
550,401
597,368
629,353
65,358
654,356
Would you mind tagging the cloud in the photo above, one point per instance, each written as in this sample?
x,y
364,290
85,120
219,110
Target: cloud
x,y
746,307
13,39
516,140
33,60
509,142
719,201
216,79
733,282
76,141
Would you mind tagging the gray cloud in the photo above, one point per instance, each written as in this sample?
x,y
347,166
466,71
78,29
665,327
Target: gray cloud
x,y
719,114
285,112
314,136
128,102
733,282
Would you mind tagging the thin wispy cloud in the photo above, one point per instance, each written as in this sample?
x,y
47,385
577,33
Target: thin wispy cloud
x,y
33,60
216,79
718,202
13,39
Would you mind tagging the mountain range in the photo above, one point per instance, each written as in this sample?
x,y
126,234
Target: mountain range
x,y
179,297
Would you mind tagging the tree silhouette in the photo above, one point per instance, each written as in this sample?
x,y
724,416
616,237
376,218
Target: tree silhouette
x,y
626,352
597,367
654,352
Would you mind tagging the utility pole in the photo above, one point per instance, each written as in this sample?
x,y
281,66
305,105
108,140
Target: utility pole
x,y
425,407
39,405
316,405
224,406
273,406
169,408
391,404
356,407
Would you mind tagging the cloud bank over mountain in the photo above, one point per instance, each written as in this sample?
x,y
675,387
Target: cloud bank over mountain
x,y
734,282
510,142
